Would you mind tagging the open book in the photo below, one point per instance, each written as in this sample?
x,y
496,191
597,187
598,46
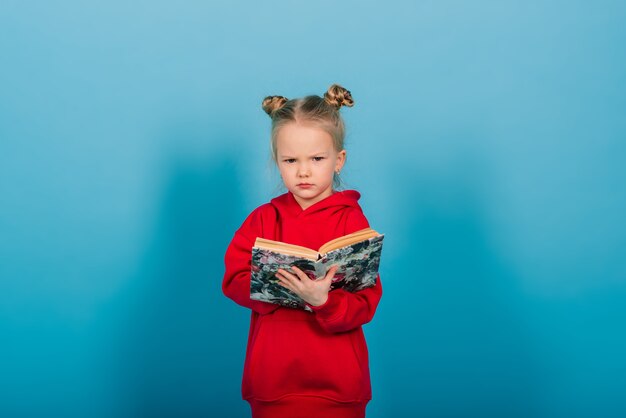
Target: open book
x,y
356,255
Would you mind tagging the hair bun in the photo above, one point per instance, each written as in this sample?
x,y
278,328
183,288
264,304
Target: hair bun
x,y
273,103
338,96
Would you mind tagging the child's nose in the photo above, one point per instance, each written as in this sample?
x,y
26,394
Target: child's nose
x,y
303,170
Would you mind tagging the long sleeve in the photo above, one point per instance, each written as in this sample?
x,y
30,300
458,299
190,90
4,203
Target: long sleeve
x,y
237,260
344,311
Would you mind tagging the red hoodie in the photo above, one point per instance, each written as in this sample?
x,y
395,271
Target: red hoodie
x,y
292,353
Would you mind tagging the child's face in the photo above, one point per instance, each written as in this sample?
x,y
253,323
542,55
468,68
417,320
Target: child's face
x,y
306,155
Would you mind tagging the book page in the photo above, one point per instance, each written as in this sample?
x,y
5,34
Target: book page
x,y
285,248
357,236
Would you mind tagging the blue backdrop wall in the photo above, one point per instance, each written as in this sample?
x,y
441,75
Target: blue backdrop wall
x,y
487,140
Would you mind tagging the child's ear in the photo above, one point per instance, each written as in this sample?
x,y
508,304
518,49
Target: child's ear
x,y
341,160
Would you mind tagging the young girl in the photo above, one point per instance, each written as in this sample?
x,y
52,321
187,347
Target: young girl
x,y
300,364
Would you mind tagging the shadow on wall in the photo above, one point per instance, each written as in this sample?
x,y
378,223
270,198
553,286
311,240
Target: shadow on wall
x,y
461,348
178,355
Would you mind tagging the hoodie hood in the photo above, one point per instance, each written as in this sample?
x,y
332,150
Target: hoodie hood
x,y
288,207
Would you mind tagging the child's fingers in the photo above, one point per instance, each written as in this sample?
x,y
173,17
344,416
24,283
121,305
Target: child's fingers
x,y
285,275
280,277
332,270
283,281
300,274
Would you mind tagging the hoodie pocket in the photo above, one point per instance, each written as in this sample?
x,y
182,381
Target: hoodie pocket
x,y
299,357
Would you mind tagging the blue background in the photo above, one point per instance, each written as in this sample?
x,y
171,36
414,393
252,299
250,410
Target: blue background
x,y
487,140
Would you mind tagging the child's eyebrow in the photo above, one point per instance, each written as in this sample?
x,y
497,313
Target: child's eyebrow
x,y
312,155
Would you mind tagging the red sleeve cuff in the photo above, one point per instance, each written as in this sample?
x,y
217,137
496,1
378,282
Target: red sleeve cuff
x,y
330,308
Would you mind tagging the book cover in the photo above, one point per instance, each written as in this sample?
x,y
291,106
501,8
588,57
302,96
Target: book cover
x,y
357,264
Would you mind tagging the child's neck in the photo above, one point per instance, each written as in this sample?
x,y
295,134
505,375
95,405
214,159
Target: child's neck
x,y
305,204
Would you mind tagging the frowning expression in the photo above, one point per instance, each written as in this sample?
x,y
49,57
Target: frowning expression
x,y
307,160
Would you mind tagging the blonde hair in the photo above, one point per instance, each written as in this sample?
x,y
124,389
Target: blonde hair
x,y
320,112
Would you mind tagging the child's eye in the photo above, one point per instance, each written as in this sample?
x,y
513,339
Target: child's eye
x,y
289,160
318,158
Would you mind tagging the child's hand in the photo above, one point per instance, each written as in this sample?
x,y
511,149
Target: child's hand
x,y
314,292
